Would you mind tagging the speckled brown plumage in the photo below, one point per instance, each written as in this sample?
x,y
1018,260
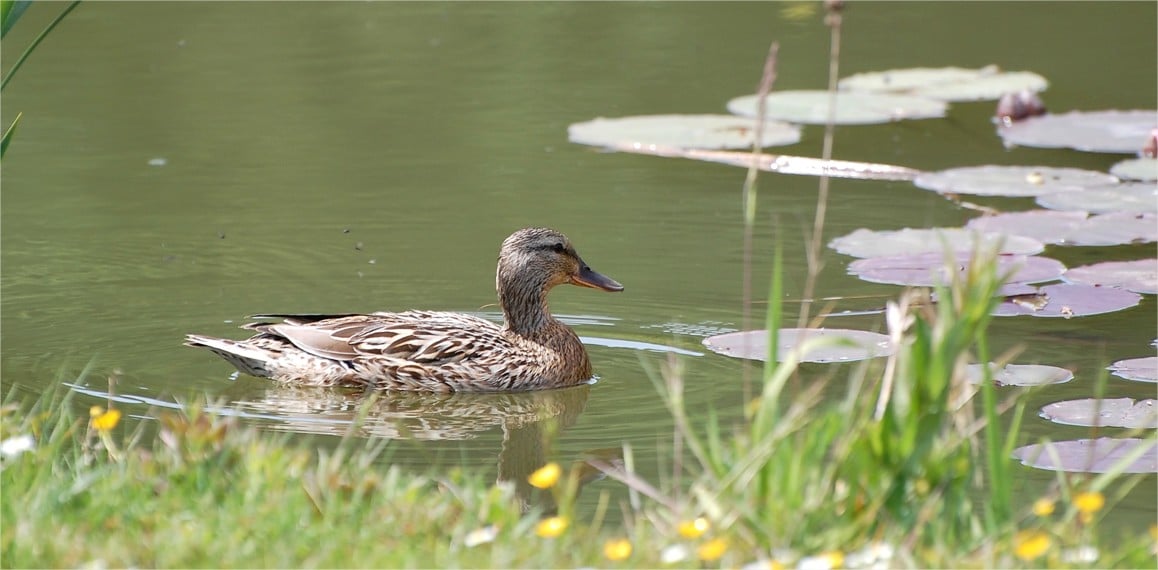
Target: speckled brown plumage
x,y
435,351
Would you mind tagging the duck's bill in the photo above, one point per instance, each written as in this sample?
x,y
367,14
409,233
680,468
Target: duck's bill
x,y
588,277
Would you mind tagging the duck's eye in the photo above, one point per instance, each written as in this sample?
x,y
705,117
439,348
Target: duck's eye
x,y
559,248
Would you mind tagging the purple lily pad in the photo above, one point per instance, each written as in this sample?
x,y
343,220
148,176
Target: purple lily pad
x,y
1020,374
811,107
1090,455
1117,228
1134,197
682,131
1137,369
1121,132
1092,412
908,241
1046,226
929,269
1068,300
1139,276
994,180
753,345
1072,228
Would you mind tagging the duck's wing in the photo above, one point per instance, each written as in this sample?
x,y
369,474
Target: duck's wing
x,y
414,336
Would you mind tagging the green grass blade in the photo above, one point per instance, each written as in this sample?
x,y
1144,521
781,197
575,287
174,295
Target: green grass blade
x,y
36,42
8,134
10,11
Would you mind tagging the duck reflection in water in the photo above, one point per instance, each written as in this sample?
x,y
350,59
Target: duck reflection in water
x,y
528,421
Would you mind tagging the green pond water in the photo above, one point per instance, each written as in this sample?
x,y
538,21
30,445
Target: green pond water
x,y
182,165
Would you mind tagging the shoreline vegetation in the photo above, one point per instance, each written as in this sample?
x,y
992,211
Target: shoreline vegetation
x,y
901,473
912,468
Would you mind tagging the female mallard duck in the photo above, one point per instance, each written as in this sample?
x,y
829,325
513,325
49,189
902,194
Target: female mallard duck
x,y
435,351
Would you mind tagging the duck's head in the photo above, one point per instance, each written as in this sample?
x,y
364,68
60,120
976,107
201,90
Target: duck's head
x,y
541,258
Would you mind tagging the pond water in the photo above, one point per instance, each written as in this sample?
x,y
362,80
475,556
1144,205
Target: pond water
x,y
182,165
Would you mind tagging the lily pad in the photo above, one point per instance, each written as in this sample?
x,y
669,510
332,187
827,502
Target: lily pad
x,y
1139,276
811,107
928,269
1090,455
1117,228
1068,300
1091,131
1020,374
856,345
1071,228
946,83
994,180
682,131
1133,197
1115,412
1137,369
908,241
1142,169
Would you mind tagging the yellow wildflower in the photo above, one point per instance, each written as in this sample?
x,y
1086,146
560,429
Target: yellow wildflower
x,y
546,476
694,528
102,420
1030,544
1043,507
1089,502
835,558
551,527
712,550
616,550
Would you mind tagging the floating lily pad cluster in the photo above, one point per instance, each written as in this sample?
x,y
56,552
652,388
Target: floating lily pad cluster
x,y
1082,208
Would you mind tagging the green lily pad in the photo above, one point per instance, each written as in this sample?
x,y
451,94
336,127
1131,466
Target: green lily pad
x,y
946,83
681,131
1141,169
1020,374
811,107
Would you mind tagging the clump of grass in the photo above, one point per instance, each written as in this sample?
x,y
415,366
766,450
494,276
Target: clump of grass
x,y
907,465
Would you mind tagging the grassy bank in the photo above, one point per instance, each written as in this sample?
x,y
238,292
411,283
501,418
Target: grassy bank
x,y
898,474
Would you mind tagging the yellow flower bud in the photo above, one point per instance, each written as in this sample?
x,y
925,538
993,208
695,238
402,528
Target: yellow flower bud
x,y
551,527
106,421
546,476
1043,507
712,550
1089,502
1030,544
616,550
694,528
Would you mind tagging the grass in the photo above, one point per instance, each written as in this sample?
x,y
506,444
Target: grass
x,y
908,478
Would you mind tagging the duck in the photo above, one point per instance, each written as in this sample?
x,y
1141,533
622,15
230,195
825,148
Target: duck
x,y
435,351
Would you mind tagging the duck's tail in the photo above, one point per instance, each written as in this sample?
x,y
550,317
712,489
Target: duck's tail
x,y
245,357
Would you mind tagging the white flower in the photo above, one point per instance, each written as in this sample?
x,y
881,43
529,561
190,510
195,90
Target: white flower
x,y
14,446
674,553
481,536
1080,555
